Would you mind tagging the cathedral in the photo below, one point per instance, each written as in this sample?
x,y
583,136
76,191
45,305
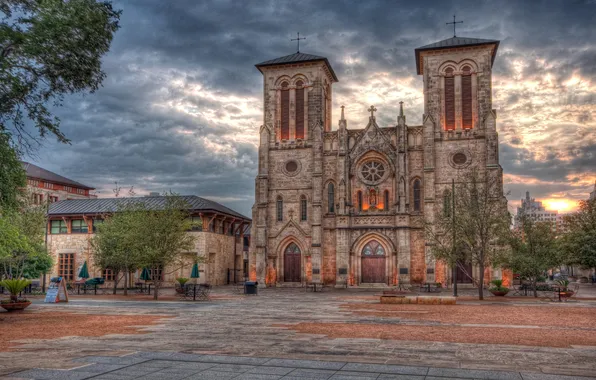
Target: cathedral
x,y
345,206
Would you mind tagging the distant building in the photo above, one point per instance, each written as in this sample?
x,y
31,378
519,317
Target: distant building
x,y
46,186
534,209
221,240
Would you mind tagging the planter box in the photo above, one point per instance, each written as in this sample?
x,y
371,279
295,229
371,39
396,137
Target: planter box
x,y
497,293
15,306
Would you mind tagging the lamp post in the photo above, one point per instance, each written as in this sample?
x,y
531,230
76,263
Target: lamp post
x,y
454,274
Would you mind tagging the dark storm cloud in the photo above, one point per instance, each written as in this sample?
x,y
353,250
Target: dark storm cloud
x,y
181,106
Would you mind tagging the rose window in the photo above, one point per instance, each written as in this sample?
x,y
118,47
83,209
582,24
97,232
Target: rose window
x,y
373,171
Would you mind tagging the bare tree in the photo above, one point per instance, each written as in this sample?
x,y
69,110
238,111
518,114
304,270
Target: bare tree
x,y
471,225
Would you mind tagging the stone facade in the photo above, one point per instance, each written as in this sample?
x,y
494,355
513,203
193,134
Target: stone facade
x,y
353,200
214,251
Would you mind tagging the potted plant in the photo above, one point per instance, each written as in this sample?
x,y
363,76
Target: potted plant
x,y
14,287
181,282
564,288
498,289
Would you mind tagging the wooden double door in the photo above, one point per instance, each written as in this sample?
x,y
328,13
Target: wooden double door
x,y
292,264
373,263
373,270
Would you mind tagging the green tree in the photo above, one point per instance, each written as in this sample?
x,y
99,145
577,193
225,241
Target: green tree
x,y
12,175
164,237
533,250
470,225
115,245
22,248
48,49
578,242
138,235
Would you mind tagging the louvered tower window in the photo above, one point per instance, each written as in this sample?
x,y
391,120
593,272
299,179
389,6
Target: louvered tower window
x,y
285,111
449,100
299,110
466,97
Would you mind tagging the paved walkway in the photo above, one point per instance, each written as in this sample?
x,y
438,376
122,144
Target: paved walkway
x,y
249,326
178,366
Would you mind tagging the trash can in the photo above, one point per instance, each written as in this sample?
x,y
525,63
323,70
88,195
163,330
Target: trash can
x,y
250,287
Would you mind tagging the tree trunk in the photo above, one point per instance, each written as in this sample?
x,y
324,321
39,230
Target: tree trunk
x,y
156,290
534,281
126,282
481,284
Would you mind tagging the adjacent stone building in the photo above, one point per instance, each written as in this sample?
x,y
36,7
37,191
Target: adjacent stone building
x,y
219,233
345,206
44,186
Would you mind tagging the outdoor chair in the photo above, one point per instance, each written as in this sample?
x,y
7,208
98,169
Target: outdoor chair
x,y
518,290
239,287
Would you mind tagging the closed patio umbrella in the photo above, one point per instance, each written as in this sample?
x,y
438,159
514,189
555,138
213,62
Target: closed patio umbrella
x,y
195,272
84,272
145,275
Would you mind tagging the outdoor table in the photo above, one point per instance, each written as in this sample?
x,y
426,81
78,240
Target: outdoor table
x,y
84,285
314,286
427,286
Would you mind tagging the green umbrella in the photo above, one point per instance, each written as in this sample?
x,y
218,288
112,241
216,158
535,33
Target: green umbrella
x,y
145,275
84,272
195,271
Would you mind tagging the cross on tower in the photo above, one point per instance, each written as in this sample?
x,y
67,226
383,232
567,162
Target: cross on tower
x,y
297,39
372,110
454,22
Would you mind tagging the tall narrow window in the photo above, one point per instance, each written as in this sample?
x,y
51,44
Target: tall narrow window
x,y
386,200
331,198
280,209
66,266
449,100
466,98
359,200
447,204
417,195
299,110
285,111
303,215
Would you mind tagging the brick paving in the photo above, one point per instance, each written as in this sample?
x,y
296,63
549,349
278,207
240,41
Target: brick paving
x,y
237,336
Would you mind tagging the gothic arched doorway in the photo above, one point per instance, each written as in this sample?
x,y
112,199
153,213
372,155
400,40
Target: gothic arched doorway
x,y
292,263
373,262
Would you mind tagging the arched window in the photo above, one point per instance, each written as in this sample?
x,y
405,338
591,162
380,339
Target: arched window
x,y
359,200
386,203
417,195
299,110
373,248
280,209
466,98
449,100
331,198
447,203
303,215
285,111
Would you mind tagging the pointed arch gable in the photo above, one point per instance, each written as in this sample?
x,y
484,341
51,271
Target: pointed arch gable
x,y
285,242
358,245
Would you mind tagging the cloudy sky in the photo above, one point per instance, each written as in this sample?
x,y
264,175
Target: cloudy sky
x,y
182,103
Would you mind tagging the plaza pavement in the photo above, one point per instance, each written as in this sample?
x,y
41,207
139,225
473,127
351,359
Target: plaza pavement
x,y
238,337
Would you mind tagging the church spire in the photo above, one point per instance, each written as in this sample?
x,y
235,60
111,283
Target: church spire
x,y
342,114
401,119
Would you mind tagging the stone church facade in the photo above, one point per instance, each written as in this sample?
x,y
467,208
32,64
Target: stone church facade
x,y
346,206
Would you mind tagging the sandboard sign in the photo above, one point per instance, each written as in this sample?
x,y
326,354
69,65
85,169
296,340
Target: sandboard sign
x,y
57,291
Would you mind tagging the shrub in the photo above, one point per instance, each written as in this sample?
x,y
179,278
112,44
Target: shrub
x,y
14,287
498,286
182,280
